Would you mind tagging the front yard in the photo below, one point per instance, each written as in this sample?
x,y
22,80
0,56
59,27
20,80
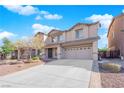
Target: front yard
x,y
110,79
64,73
10,68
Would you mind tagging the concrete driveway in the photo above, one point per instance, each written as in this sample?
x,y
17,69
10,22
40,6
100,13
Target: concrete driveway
x,y
65,73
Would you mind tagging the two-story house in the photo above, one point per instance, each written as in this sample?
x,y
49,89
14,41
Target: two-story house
x,y
116,34
78,42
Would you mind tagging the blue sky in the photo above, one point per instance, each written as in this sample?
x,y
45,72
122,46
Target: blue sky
x,y
18,22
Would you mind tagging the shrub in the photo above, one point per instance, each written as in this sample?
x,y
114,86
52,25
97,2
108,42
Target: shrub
x,y
112,67
32,60
35,58
28,61
14,62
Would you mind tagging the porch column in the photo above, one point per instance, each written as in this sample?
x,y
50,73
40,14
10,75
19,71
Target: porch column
x,y
45,53
95,50
59,52
18,54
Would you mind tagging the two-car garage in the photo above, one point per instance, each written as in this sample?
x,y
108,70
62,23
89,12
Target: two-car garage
x,y
78,52
73,50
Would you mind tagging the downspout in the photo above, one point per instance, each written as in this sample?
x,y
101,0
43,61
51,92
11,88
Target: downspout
x,y
88,31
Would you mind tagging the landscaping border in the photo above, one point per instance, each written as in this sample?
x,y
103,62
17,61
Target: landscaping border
x,y
95,79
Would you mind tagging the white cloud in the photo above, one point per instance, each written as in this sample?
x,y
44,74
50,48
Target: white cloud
x,y
105,19
103,41
123,11
38,17
29,10
50,16
22,10
47,15
6,34
53,16
42,28
44,12
24,37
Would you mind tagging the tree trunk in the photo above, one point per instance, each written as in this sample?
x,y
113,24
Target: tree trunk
x,y
30,53
18,56
4,56
36,52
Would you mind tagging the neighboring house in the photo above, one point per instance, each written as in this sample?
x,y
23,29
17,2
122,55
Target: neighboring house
x,y
24,51
41,35
116,34
78,42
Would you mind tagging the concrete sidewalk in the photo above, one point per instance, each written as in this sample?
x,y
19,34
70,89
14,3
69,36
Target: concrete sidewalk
x,y
66,73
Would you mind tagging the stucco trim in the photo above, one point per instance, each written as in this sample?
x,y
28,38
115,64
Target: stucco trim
x,y
70,29
55,32
87,24
87,40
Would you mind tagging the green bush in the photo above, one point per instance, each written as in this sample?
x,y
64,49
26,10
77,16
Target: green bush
x,y
32,60
35,58
112,67
102,49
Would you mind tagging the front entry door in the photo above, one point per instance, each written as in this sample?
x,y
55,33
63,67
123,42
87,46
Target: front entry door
x,y
50,53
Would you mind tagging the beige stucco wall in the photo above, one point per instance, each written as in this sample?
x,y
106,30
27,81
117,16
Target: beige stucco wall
x,y
59,52
93,30
118,40
54,54
45,37
46,52
95,50
88,31
70,35
48,40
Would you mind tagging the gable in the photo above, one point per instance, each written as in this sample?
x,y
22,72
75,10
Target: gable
x,y
54,32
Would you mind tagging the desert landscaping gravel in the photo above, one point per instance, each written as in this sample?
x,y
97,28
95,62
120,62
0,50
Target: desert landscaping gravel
x,y
112,80
7,69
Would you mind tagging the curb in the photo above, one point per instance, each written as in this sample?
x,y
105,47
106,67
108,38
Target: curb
x,y
95,79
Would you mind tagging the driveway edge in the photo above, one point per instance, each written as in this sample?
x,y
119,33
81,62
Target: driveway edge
x,y
95,79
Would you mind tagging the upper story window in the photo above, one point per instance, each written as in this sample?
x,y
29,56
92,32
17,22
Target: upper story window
x,y
60,38
54,39
122,30
79,34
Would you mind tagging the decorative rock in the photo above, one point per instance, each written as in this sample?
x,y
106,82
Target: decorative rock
x,y
112,67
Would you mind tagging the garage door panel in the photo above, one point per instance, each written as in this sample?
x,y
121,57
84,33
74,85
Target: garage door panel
x,y
78,53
